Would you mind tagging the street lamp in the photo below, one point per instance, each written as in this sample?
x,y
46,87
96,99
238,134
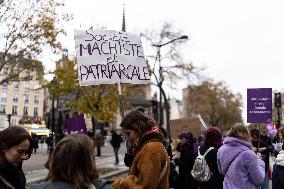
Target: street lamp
x,y
185,37
160,82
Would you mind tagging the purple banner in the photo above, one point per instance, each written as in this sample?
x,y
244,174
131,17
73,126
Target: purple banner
x,y
75,125
259,105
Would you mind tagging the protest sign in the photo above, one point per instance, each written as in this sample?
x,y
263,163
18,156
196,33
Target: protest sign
x,y
193,125
108,57
259,105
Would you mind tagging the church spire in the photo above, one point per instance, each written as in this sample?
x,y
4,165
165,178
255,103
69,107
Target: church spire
x,y
123,18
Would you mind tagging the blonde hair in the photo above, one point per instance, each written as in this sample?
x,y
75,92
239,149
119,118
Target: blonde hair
x,y
238,130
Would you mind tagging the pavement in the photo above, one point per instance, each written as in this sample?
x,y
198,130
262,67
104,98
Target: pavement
x,y
35,171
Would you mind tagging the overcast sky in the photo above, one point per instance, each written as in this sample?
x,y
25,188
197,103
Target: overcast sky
x,y
240,42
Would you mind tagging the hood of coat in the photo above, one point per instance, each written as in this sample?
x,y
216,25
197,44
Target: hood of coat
x,y
280,158
231,148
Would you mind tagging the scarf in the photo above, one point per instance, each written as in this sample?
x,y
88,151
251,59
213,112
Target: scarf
x,y
154,133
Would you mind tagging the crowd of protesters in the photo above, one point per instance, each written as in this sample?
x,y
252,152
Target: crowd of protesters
x,y
237,159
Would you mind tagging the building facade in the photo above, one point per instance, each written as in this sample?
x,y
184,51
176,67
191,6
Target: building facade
x,y
18,100
176,109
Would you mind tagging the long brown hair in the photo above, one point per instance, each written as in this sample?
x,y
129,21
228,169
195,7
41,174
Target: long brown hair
x,y
138,122
73,161
12,136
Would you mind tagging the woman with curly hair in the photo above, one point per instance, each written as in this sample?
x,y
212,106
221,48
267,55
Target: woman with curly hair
x,y
150,167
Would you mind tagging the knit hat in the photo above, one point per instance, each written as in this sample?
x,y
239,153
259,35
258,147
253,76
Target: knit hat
x,y
213,137
188,136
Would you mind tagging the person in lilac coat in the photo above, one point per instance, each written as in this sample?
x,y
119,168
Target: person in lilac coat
x,y
243,169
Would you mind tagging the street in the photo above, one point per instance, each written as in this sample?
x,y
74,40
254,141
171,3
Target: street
x,y
34,167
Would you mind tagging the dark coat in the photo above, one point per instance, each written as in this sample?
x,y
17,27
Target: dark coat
x,y
185,164
265,154
14,175
35,141
216,182
278,177
115,140
101,184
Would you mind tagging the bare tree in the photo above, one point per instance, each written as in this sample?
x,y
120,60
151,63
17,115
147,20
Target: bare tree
x,y
28,27
167,66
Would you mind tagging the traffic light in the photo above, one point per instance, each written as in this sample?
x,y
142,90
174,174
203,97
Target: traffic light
x,y
277,100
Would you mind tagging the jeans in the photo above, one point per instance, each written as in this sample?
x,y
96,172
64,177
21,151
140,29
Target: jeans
x,y
265,184
116,149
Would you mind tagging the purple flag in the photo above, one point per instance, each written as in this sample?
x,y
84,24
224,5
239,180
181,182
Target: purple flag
x,y
259,105
75,125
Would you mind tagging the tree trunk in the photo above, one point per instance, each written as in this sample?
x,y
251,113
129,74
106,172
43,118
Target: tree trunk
x,y
93,126
167,109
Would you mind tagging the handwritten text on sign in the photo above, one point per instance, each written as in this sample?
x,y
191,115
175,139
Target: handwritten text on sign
x,y
259,104
107,57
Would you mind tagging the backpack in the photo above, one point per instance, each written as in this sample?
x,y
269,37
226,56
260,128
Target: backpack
x,y
200,171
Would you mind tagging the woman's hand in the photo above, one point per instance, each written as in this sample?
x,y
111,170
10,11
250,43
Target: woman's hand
x,y
258,155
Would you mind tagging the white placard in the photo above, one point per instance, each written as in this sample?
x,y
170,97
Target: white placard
x,y
107,57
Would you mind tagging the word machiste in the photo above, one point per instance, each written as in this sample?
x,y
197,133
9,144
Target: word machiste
x,y
113,44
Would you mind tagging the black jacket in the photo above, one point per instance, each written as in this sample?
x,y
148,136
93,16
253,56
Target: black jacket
x,y
278,177
216,182
14,175
185,164
115,140
265,154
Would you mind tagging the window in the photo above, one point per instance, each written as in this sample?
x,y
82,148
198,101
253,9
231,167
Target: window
x,y
26,98
14,110
3,108
5,84
13,121
16,85
36,111
5,71
3,96
25,110
36,87
27,85
2,121
36,99
15,97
